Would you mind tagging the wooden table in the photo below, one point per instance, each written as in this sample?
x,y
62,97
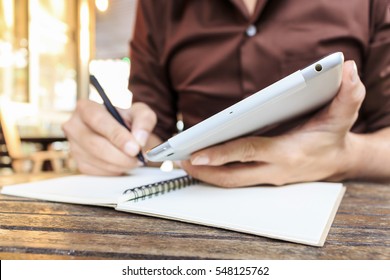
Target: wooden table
x,y
32,229
45,140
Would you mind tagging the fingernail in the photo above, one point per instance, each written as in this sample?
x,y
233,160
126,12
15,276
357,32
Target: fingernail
x,y
131,149
200,160
354,73
141,136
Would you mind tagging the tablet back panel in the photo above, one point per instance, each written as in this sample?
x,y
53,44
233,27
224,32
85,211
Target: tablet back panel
x,y
294,95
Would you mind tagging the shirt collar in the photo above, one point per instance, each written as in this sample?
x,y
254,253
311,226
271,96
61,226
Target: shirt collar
x,y
239,4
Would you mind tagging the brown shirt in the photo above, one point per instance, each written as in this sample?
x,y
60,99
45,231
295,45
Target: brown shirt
x,y
197,57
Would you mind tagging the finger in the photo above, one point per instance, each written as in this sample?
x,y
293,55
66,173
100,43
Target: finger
x,y
347,102
99,120
143,121
99,149
110,164
89,146
237,175
239,150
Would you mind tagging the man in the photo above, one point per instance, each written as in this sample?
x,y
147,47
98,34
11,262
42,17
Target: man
x,y
196,58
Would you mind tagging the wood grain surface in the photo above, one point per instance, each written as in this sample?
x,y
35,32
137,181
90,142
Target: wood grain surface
x,y
32,229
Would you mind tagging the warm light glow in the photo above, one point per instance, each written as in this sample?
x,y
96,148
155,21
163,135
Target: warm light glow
x,y
8,12
5,54
50,32
101,5
58,7
84,32
17,109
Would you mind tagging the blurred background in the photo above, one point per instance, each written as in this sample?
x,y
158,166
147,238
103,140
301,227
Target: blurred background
x,y
48,49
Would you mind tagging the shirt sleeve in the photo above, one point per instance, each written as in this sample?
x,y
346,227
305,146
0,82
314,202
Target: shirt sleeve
x,y
149,80
375,110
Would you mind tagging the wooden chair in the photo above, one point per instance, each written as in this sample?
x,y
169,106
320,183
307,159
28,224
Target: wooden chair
x,y
21,160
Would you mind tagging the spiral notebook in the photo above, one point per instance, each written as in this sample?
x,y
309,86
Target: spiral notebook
x,y
301,213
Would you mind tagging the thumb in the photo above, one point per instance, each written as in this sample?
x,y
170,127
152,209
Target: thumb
x,y
346,104
143,120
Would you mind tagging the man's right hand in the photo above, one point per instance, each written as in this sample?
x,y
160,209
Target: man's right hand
x,y
102,146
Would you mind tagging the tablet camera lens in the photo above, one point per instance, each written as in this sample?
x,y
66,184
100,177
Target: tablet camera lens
x,y
318,67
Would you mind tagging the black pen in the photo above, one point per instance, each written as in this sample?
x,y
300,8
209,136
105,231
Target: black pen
x,y
110,108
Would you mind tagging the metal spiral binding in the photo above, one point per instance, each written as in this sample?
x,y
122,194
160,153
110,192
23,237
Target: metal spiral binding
x,y
142,192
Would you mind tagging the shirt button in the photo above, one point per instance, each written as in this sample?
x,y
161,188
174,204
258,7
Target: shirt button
x,y
251,30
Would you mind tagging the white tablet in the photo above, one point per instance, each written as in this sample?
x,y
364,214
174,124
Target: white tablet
x,y
294,95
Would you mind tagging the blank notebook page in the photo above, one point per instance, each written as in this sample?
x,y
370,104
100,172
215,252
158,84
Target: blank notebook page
x,y
93,190
300,213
